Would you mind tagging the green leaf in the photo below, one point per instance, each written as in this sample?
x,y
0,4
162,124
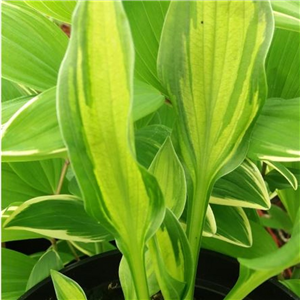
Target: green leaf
x,y
126,199
169,173
146,100
32,133
282,64
22,181
171,256
59,10
213,71
10,90
262,244
257,270
32,61
232,225
274,133
66,288
277,218
275,179
148,141
41,270
287,14
89,146
16,268
60,216
243,187
210,225
10,107
290,200
285,172
8,235
146,19
293,285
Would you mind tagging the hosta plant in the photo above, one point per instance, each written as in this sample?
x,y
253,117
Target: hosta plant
x,y
160,125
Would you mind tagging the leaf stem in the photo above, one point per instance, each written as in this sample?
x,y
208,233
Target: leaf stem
x,y
195,224
62,176
136,262
73,250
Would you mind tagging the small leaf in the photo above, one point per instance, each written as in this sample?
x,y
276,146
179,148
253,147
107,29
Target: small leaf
x,y
66,288
210,225
148,141
60,216
41,270
169,173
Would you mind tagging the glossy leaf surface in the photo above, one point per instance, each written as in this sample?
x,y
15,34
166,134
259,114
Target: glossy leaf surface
x,y
10,90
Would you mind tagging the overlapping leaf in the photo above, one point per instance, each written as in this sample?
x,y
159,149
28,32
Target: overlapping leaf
x,y
61,216
146,20
41,270
32,61
244,187
213,72
32,133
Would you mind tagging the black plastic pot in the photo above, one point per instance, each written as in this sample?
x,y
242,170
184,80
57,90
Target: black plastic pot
x,y
216,275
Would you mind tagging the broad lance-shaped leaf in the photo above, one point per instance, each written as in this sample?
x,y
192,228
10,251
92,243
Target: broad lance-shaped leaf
x,y
41,270
243,187
169,173
32,47
59,10
66,288
32,133
275,133
60,216
213,72
96,100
